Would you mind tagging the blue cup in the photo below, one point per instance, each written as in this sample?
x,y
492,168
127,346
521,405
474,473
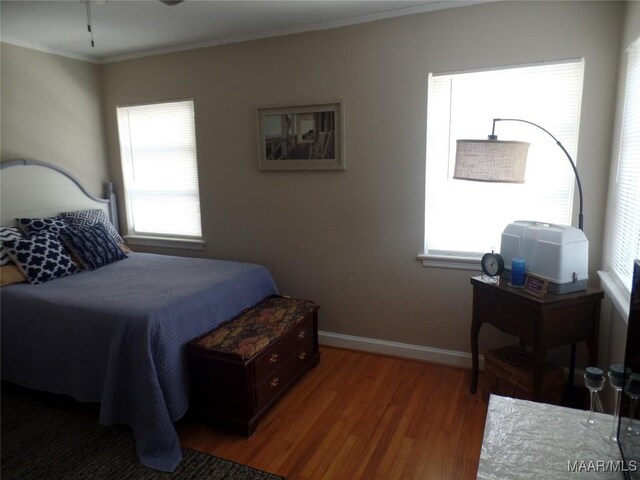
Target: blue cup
x,y
518,272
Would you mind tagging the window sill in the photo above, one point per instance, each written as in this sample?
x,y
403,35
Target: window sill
x,y
619,296
457,262
148,241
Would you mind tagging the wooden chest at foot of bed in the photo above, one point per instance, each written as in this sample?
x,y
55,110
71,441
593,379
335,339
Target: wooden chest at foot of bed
x,y
240,369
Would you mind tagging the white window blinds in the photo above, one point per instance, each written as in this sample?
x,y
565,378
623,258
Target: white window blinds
x,y
159,163
626,223
466,218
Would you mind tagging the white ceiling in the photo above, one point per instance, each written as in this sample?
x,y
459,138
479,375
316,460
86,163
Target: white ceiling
x,y
132,28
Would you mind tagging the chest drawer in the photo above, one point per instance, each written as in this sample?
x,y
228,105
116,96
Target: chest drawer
x,y
273,381
296,341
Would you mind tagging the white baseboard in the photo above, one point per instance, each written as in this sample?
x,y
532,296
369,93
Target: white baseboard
x,y
396,349
415,352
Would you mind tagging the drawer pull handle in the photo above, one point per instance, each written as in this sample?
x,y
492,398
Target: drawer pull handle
x,y
274,382
302,355
301,334
273,358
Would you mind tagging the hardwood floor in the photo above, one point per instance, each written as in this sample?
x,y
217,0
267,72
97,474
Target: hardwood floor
x,y
361,416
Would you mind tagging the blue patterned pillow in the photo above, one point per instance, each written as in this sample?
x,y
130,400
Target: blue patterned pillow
x,y
40,257
7,233
88,218
30,226
93,246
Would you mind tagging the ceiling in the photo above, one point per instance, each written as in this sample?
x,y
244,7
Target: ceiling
x,y
133,28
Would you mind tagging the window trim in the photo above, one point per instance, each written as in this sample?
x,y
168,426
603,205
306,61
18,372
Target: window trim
x,y
165,242
611,279
619,295
453,259
150,239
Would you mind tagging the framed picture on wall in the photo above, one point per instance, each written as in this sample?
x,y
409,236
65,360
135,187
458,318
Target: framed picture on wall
x,y
302,137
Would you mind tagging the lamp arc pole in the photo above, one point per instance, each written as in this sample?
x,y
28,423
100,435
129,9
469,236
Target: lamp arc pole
x,y
493,136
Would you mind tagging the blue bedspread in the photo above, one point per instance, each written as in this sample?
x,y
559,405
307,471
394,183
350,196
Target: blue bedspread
x,y
117,336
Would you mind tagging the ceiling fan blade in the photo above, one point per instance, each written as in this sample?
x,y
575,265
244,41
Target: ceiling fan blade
x,y
171,2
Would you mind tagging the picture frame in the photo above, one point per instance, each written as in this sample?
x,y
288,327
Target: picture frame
x,y
536,286
301,137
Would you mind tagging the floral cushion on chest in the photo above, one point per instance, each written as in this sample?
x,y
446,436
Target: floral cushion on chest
x,y
255,328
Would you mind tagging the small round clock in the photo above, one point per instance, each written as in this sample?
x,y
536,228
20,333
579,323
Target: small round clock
x,y
492,264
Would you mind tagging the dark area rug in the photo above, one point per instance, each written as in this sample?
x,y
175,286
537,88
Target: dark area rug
x,y
39,440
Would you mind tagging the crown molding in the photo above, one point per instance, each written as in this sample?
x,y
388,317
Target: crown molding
x,y
430,7
51,51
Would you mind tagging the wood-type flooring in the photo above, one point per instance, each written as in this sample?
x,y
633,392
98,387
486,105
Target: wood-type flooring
x,y
361,416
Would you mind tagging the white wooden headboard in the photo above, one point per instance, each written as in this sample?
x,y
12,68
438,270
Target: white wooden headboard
x,y
31,188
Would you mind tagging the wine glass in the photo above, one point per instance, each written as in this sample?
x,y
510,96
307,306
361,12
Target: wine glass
x,y
616,380
594,381
633,391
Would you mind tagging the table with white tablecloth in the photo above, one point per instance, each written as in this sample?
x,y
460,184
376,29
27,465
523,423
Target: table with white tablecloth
x,y
530,440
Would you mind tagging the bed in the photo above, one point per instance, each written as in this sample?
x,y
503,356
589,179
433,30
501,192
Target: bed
x,y
116,334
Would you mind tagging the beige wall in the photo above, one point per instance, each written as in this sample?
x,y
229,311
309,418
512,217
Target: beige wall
x,y
51,111
349,239
346,239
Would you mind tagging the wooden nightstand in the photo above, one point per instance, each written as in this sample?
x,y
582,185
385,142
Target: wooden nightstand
x,y
552,321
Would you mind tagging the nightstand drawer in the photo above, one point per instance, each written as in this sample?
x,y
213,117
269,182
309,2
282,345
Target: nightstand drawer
x,y
507,315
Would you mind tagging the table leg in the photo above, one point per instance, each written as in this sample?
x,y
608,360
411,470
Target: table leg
x,y
572,364
538,368
592,351
592,341
475,364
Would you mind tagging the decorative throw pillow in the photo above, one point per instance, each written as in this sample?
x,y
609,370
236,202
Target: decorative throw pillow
x,y
10,274
41,257
93,246
7,233
88,218
30,226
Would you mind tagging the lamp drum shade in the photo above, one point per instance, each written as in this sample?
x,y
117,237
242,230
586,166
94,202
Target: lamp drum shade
x,y
491,161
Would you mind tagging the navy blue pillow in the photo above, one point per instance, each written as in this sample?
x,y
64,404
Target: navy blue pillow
x,y
7,233
88,218
93,246
40,257
30,226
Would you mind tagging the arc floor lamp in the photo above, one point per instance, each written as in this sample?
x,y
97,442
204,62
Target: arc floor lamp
x,y
494,160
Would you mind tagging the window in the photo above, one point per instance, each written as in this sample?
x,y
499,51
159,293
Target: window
x,y
159,164
626,208
464,219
